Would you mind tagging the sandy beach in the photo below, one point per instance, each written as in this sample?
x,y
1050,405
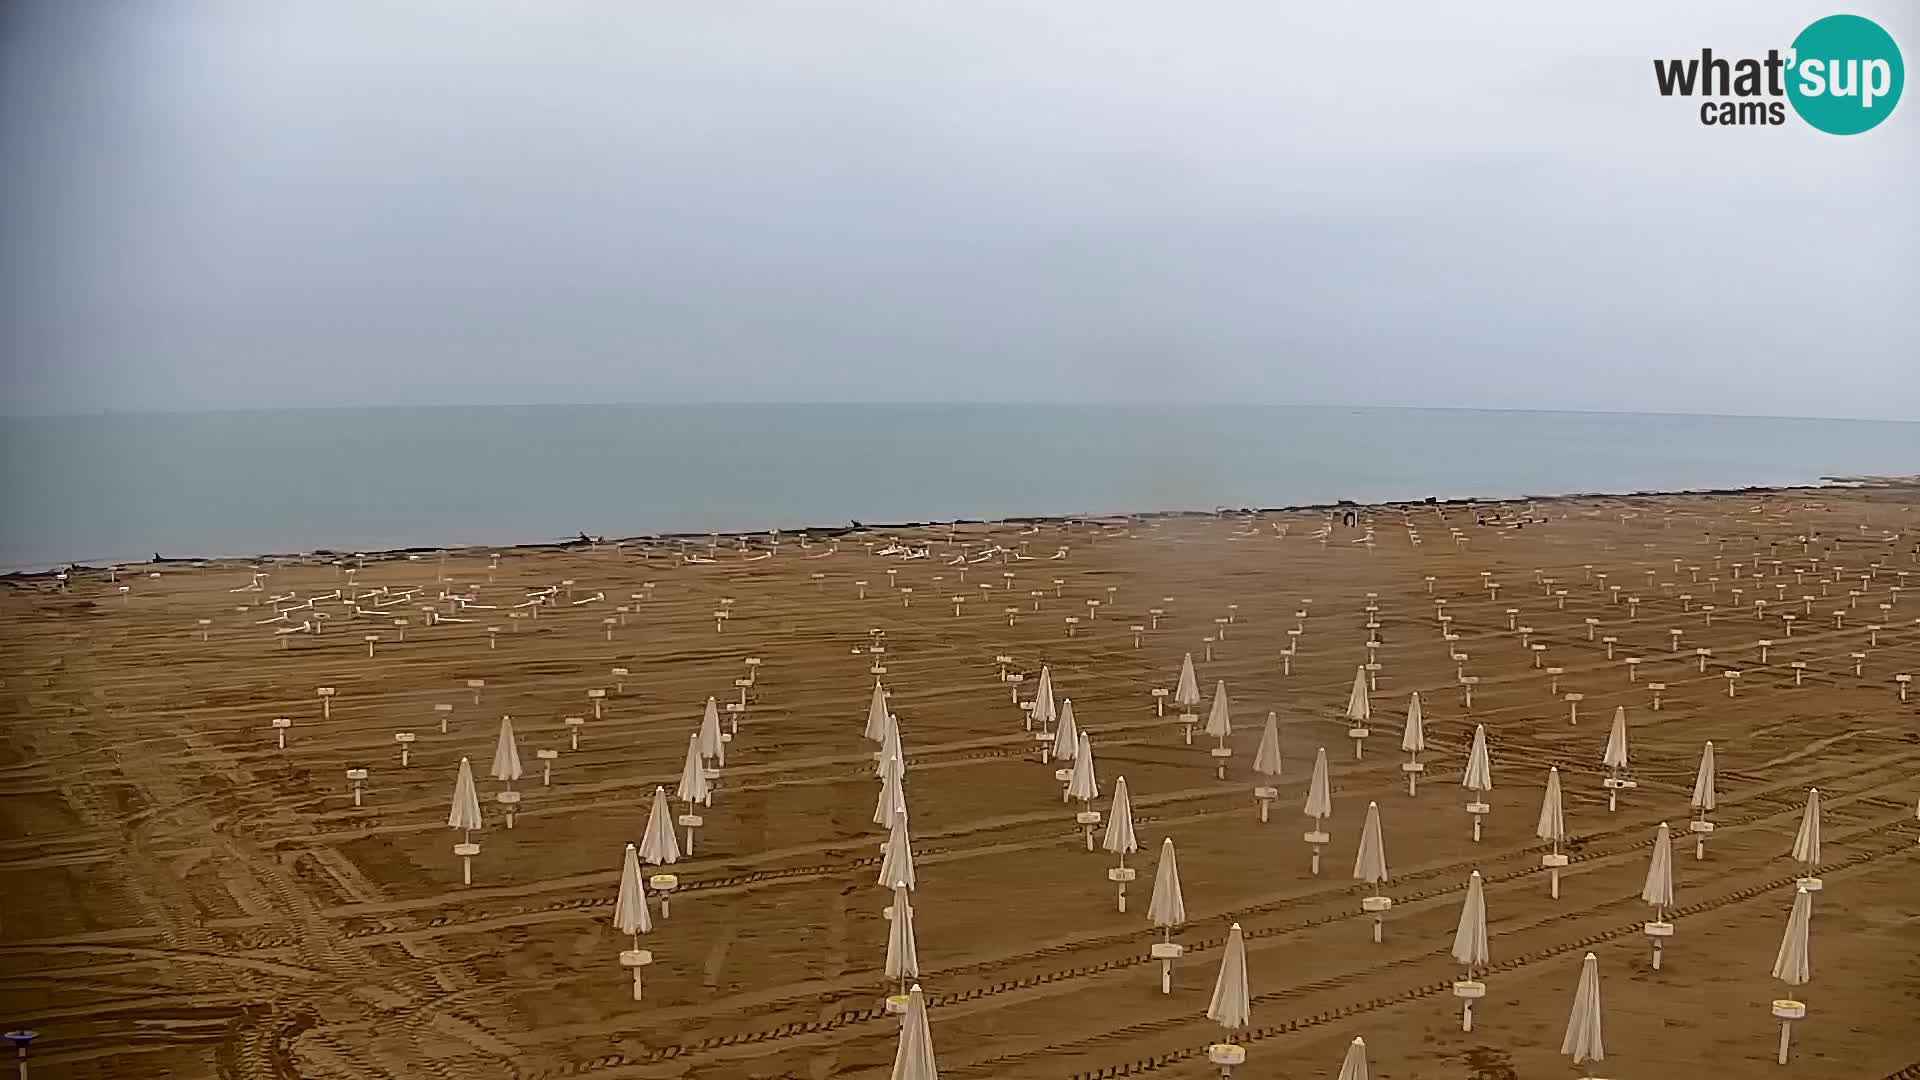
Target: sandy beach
x,y
184,898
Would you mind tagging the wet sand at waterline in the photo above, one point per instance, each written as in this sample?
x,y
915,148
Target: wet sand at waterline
x,y
183,899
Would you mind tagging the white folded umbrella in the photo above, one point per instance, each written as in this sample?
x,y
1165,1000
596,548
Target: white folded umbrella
x,y
506,753
1615,756
1066,739
1354,1066
1167,910
1359,711
896,862
1413,739
1231,1002
1658,891
1319,805
630,917
465,812
1583,1041
464,815
1793,965
693,776
1319,790
876,729
1470,936
1806,843
1470,948
890,748
1478,779
913,1060
1266,760
1119,839
659,846
1703,801
1043,703
903,953
1370,866
1553,828
630,913
1187,693
712,747
1219,719
1083,784
1704,798
1266,765
892,800
1359,705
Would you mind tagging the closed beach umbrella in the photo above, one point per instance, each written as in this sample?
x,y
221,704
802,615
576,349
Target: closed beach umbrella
x,y
1470,936
1615,756
1043,704
1370,866
630,914
892,801
506,753
1187,693
1359,711
1658,891
1413,740
1355,1065
896,862
1703,801
465,812
1319,790
712,747
876,729
1066,739
1084,784
1583,1041
1266,765
658,845
1119,839
1319,805
1167,910
1231,1002
1470,948
890,748
464,815
1553,828
1359,706
914,1058
693,777
1794,966
1219,721
1478,779
903,953
1704,798
1806,843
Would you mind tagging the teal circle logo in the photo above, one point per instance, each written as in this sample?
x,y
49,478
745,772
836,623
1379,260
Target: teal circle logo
x,y
1846,74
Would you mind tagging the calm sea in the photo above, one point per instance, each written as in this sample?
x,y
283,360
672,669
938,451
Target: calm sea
x,y
122,487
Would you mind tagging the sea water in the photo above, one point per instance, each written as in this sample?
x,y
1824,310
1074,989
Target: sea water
x,y
124,487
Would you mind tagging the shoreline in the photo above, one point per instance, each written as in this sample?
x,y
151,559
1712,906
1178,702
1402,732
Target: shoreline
x,y
40,573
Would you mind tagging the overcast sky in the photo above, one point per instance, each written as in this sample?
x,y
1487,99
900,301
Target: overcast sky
x,y
267,204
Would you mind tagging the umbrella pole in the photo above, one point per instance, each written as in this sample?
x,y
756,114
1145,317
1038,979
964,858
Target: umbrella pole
x,y
1554,873
1412,776
1264,803
1166,968
1786,1037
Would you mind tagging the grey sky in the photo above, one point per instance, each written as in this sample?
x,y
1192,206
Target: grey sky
x,y
257,203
